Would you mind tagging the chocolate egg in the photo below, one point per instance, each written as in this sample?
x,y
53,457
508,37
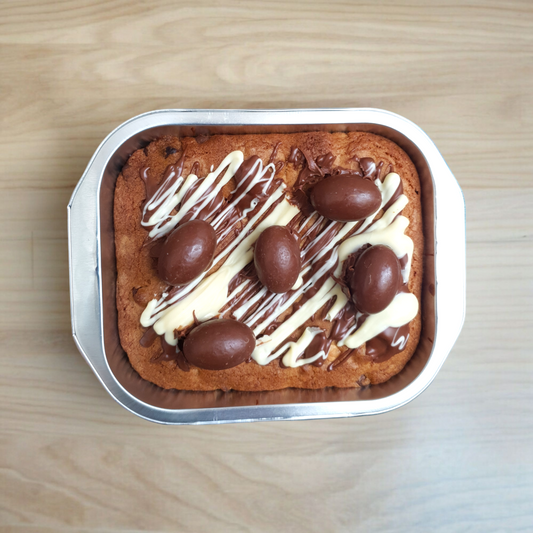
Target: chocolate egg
x,y
219,344
277,259
376,279
187,252
345,198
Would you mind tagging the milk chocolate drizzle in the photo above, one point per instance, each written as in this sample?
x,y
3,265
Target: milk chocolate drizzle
x,y
314,170
148,338
172,353
343,322
274,153
369,168
296,156
395,196
153,187
319,343
314,233
151,181
260,192
341,359
388,343
208,210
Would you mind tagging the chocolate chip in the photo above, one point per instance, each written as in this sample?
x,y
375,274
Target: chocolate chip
x,y
169,150
142,295
363,381
202,138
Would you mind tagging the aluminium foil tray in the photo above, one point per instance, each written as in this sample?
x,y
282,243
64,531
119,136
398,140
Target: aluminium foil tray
x,y
93,270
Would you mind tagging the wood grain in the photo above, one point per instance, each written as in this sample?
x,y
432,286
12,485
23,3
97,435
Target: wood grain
x,y
459,458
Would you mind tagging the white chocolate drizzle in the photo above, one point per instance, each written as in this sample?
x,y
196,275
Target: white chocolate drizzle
x,y
388,230
266,344
208,294
388,188
295,349
381,234
211,293
400,311
155,307
165,200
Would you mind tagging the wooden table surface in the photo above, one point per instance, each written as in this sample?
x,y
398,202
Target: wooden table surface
x,y
458,458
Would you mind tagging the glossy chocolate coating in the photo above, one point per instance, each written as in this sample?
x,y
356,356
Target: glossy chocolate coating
x,y
388,343
219,344
345,198
319,343
376,279
187,252
277,259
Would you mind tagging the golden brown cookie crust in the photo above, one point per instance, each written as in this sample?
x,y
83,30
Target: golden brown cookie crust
x,y
137,281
